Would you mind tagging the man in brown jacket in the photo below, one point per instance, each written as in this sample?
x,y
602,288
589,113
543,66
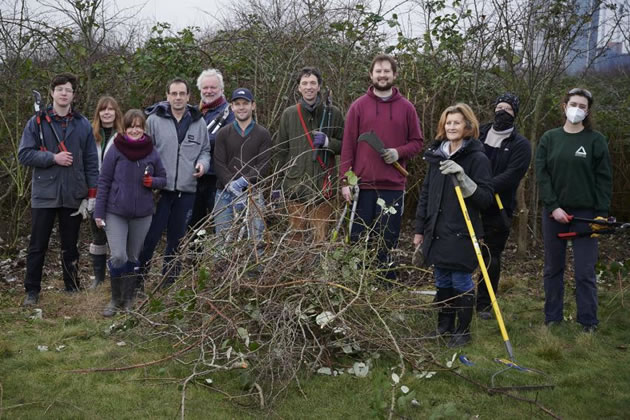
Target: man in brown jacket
x,y
307,141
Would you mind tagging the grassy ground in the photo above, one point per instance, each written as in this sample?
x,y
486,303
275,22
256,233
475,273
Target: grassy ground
x,y
591,371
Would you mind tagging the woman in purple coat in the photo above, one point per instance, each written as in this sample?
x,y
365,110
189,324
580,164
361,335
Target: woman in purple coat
x,y
124,204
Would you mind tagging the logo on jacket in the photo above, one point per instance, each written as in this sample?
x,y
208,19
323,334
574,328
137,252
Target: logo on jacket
x,y
580,152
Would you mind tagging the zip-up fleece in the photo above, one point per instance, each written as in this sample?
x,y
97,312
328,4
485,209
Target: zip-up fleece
x,y
55,186
179,159
395,122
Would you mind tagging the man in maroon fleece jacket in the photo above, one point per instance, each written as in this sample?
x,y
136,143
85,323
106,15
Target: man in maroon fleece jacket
x,y
394,120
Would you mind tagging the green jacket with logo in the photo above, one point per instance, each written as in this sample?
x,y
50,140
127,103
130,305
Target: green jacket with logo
x,y
573,170
302,176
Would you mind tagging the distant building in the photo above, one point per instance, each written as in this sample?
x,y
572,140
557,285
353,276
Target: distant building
x,y
584,50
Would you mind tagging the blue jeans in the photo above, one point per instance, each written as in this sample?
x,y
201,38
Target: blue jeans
x,y
460,281
173,213
227,209
584,259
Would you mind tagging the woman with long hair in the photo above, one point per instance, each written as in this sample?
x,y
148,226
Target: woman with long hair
x,y
124,204
456,156
106,124
574,178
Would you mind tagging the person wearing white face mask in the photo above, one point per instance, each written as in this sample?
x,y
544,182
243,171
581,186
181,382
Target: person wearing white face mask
x,y
574,177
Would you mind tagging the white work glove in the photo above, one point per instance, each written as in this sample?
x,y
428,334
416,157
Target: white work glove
x,y
237,186
467,185
82,210
91,205
390,156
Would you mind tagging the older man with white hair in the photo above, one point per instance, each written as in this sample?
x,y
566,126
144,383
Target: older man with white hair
x,y
217,113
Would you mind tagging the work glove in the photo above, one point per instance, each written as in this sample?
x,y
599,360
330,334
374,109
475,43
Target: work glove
x,y
82,210
147,180
320,140
595,227
236,187
467,185
91,205
390,155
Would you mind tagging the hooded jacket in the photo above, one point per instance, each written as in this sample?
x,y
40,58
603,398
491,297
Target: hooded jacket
x,y
179,159
395,122
55,186
447,244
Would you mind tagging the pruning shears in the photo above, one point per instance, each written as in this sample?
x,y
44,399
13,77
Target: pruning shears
x,y
218,122
611,223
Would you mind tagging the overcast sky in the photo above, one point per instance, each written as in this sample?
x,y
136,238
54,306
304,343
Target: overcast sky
x,y
179,13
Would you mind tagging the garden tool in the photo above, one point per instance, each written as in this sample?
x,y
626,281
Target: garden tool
x,y
338,226
39,113
377,144
219,121
510,363
502,211
610,225
353,213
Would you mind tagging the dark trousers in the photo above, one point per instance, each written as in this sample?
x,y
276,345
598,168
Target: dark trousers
x,y
204,199
495,236
584,260
382,226
43,221
172,213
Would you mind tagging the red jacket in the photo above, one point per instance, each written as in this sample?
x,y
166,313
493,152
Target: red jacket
x,y
396,123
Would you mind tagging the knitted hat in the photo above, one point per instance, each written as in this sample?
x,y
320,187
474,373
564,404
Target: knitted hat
x,y
511,99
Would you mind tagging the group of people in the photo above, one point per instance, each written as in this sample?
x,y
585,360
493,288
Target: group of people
x,y
211,159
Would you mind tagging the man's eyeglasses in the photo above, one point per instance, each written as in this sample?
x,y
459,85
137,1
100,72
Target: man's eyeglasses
x,y
63,89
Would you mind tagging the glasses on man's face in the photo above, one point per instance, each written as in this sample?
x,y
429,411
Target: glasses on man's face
x,y
60,89
580,91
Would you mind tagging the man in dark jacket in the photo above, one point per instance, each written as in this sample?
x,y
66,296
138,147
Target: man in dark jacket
x,y
308,139
391,117
59,145
217,114
181,138
510,154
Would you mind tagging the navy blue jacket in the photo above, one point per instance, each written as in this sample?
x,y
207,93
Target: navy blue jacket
x,y
509,166
120,187
447,244
55,186
209,116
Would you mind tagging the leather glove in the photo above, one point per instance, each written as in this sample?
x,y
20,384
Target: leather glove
x,y
83,209
390,156
91,205
147,180
320,140
236,187
467,185
595,227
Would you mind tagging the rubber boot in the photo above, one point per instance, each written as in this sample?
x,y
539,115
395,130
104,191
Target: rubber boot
x,y
98,263
117,291
446,315
465,304
129,286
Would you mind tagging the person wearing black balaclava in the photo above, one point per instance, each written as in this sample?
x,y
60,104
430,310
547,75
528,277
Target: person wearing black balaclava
x,y
510,154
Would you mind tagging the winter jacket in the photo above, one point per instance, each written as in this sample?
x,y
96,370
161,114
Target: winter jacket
x,y
179,159
210,115
120,187
304,176
242,154
396,123
56,186
573,170
102,151
509,166
447,244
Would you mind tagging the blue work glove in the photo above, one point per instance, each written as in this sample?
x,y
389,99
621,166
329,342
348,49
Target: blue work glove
x,y
390,156
237,186
320,140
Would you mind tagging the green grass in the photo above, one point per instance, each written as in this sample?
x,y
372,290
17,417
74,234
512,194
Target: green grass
x,y
590,371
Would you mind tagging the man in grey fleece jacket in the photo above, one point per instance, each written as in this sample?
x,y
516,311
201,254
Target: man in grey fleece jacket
x,y
180,136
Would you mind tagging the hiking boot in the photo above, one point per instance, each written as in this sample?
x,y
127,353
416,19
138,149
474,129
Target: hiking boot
x,y
31,299
464,304
98,263
589,329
